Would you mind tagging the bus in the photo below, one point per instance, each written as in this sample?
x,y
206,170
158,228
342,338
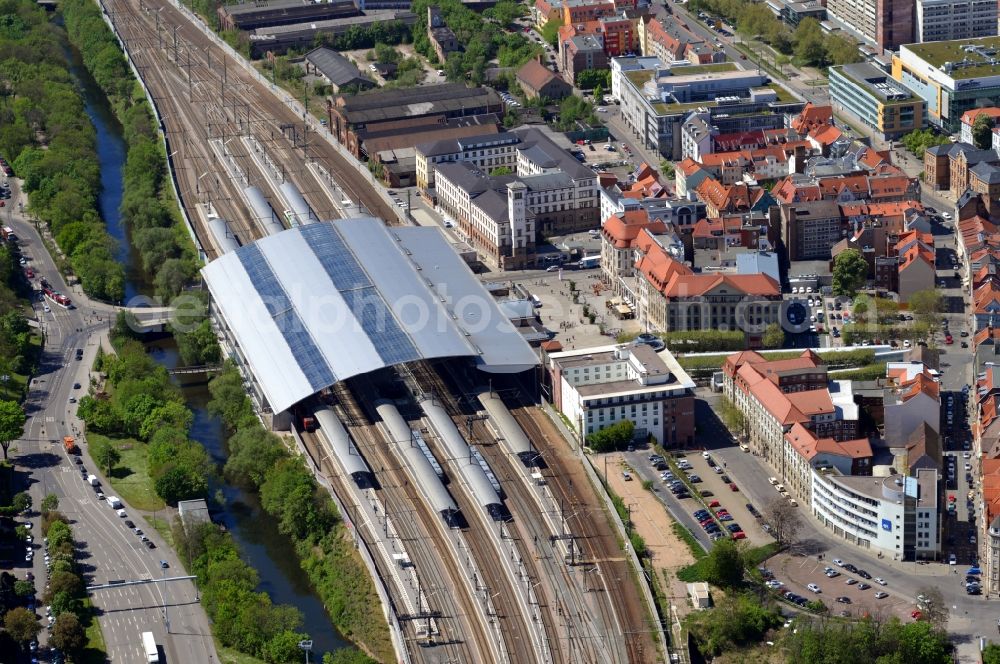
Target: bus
x,y
149,646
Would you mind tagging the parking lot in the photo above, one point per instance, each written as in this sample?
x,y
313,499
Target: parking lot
x,y
796,573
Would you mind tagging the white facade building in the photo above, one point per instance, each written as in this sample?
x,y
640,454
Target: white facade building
x,y
597,387
894,515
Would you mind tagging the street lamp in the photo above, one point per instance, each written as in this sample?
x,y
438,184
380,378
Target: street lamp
x,y
306,645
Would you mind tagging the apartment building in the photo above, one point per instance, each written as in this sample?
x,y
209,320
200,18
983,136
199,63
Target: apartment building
x,y
619,234
917,271
804,453
581,53
969,119
673,41
911,400
945,20
880,187
810,230
597,387
775,395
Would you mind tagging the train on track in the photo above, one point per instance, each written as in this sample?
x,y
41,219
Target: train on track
x,y
458,451
339,443
512,436
424,474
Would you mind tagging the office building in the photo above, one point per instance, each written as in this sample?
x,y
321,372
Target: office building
x,y
951,77
894,515
870,95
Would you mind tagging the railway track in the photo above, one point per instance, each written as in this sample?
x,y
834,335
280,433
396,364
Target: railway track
x,y
202,94
515,626
461,638
588,627
597,540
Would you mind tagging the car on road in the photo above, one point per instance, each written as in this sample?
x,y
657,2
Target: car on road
x,y
864,575
164,564
879,580
121,513
733,487
838,562
814,588
149,544
129,523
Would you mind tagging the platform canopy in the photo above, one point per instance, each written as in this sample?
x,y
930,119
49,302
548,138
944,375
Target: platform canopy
x,y
326,301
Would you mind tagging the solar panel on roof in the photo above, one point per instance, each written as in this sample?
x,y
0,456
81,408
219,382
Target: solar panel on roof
x,y
340,264
286,318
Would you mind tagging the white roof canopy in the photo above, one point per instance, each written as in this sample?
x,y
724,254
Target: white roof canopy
x,y
323,302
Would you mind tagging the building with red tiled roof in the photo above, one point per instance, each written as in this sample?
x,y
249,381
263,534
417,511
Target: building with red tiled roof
x,y
823,138
774,396
673,298
618,240
811,117
804,451
969,119
538,81
861,187
673,41
916,264
720,199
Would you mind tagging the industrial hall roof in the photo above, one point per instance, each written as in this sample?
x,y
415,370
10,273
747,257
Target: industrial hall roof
x,y
322,302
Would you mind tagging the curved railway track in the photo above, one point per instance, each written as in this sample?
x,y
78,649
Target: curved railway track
x,y
462,638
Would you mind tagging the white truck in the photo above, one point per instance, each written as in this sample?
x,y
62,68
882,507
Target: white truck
x,y
149,647
114,502
92,479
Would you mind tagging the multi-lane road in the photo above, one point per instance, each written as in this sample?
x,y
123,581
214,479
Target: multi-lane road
x,y
109,551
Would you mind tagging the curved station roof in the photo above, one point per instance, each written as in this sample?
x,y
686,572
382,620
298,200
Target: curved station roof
x,y
319,303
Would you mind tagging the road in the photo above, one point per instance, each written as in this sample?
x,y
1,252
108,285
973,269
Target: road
x,y
108,550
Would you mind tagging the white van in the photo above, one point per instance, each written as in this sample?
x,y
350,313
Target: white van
x,y
114,502
780,488
772,480
93,481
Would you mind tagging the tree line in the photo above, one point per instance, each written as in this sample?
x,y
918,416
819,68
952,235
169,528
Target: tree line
x,y
806,45
304,511
143,404
47,137
147,207
64,594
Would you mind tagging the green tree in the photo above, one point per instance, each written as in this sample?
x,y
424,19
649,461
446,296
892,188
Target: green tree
x,y
990,654
21,501
180,482
667,169
613,437
105,454
23,588
64,582
550,33
501,170
733,417
284,647
347,656
12,421
68,634
982,131
927,304
841,49
21,624
774,336
810,46
598,94
253,451
724,564
850,272
49,503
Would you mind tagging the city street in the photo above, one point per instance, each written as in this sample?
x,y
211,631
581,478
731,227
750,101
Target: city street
x,y
109,551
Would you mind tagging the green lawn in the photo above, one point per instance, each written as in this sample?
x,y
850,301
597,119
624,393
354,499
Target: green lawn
x,y
230,656
129,478
162,526
94,651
